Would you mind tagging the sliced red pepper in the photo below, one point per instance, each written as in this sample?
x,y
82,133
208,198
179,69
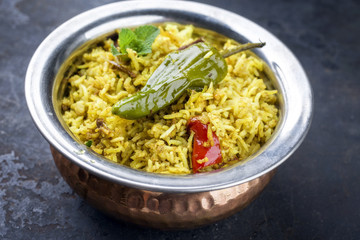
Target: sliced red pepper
x,y
200,151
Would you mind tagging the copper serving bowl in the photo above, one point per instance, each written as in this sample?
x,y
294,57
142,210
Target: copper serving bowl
x,y
159,200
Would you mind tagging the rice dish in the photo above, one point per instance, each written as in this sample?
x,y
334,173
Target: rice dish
x,y
241,110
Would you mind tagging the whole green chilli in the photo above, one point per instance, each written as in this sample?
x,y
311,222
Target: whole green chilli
x,y
191,68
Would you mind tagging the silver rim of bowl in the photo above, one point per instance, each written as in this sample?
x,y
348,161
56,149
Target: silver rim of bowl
x,y
296,101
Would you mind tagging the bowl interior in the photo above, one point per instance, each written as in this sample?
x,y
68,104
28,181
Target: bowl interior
x,y
44,87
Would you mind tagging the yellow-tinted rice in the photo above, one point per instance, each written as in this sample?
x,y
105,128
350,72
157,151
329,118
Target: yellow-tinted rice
x,y
240,109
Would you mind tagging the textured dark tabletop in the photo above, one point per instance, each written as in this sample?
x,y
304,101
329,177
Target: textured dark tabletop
x,y
315,193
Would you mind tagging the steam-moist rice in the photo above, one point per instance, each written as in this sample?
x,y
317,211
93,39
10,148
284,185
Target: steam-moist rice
x,y
240,109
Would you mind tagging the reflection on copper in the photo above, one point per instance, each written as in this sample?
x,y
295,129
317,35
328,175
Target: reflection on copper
x,y
156,209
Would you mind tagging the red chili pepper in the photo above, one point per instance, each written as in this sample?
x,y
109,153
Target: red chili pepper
x,y
200,151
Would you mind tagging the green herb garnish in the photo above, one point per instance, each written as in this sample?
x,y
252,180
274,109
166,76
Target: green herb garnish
x,y
140,40
89,143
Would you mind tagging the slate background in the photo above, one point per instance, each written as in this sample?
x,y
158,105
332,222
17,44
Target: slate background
x,y
314,195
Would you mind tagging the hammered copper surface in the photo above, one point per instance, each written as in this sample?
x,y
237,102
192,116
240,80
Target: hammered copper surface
x,y
156,209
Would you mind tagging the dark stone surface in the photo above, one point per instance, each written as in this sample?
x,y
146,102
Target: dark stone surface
x,y
314,195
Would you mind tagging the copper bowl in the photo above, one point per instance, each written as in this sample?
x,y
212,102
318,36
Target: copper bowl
x,y
159,200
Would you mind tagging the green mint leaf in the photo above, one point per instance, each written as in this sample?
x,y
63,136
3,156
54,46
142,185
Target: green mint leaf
x,y
140,40
114,50
140,47
126,36
147,33
143,48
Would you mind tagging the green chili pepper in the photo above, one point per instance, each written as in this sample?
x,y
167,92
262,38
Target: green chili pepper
x,y
191,68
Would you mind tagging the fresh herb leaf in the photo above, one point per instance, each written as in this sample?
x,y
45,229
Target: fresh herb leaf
x,y
89,143
140,40
114,50
147,33
126,37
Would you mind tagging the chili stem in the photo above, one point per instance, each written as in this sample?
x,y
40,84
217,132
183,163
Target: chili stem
x,y
228,52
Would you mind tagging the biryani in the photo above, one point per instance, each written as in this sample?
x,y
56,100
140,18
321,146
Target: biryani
x,y
240,112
